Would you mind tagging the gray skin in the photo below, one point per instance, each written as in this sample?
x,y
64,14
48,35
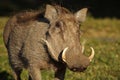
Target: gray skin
x,y
25,37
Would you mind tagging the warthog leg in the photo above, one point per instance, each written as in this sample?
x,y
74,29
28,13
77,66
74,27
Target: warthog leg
x,y
17,74
34,73
60,72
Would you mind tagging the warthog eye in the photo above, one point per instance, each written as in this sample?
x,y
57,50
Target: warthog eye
x,y
59,24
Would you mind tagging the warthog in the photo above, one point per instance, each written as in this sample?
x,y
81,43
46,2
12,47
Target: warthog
x,y
38,40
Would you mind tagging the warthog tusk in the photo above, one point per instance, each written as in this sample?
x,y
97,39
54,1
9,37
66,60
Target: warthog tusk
x,y
50,49
92,54
83,48
63,54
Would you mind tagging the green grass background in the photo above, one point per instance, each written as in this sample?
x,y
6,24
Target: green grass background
x,y
102,34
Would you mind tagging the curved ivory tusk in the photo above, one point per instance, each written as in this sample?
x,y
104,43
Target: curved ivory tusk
x,y
50,50
92,54
83,48
63,54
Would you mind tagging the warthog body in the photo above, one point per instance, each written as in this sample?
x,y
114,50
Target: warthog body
x,y
42,40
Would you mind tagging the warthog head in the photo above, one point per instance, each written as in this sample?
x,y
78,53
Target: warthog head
x,y
63,37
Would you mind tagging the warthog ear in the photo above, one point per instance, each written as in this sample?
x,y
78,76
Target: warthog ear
x,y
51,12
81,15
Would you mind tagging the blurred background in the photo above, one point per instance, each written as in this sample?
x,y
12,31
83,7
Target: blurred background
x,y
97,8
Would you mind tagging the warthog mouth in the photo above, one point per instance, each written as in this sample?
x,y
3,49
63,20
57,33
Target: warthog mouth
x,y
78,69
52,53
